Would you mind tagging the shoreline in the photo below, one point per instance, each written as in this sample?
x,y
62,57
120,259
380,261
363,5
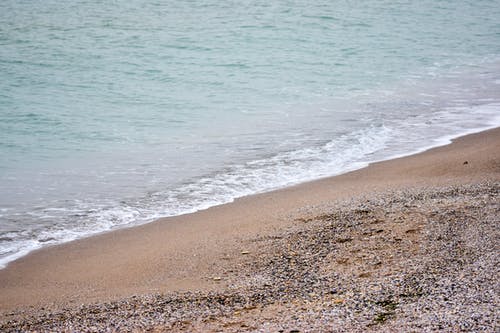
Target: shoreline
x,y
443,141
195,252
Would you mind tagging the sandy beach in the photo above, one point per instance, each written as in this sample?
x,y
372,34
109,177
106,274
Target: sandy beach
x,y
408,244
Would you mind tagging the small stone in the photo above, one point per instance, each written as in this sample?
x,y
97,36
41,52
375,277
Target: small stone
x,y
342,260
344,240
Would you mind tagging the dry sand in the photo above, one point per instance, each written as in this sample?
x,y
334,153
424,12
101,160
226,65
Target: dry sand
x,y
374,249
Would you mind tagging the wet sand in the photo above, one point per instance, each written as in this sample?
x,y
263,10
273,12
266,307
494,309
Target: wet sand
x,y
339,254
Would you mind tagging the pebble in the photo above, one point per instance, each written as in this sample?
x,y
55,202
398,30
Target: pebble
x,y
445,279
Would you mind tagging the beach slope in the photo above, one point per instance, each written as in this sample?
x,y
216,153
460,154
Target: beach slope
x,y
407,243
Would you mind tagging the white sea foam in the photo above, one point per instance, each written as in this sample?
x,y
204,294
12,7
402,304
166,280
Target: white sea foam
x,y
348,152
244,179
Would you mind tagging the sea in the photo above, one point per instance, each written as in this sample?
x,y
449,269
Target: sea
x,y
116,113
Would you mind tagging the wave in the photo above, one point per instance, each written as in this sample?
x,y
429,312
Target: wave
x,y
353,150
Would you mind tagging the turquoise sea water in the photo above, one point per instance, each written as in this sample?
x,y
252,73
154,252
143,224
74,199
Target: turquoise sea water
x,y
116,113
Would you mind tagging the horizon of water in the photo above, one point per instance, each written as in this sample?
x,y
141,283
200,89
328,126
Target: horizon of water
x,y
115,114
